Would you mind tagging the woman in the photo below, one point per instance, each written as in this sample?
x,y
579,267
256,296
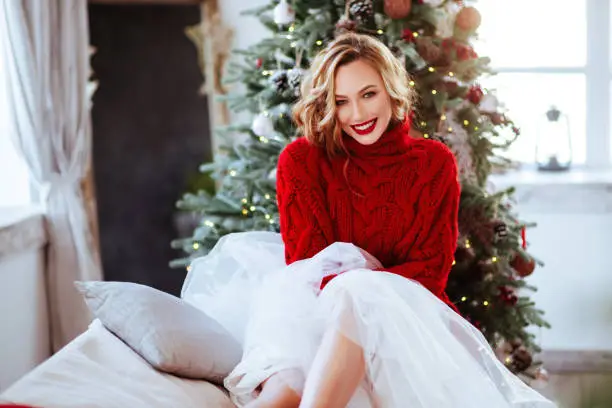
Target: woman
x,y
355,314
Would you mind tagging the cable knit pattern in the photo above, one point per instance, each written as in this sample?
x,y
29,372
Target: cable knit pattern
x,y
399,201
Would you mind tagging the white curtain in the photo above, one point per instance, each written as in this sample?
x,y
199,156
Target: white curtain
x,y
46,49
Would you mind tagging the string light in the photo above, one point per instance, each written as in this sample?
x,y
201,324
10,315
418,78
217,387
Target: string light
x,y
431,69
267,196
292,29
208,223
293,44
196,245
426,136
244,201
232,173
434,91
451,74
508,360
189,268
379,31
486,303
443,117
466,122
262,139
411,83
475,127
415,34
271,221
252,208
467,243
494,259
464,298
450,129
245,211
454,262
423,123
319,42
267,216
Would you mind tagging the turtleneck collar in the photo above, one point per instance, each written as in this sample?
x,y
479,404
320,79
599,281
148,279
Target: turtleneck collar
x,y
394,141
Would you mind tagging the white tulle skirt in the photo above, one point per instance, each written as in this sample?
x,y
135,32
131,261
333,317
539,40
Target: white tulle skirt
x,y
419,353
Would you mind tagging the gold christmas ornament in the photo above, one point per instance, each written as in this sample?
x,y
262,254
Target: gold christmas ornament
x,y
468,19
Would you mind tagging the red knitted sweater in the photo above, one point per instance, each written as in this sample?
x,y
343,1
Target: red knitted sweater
x,y
404,212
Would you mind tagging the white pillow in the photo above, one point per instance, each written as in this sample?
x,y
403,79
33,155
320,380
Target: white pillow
x,y
170,334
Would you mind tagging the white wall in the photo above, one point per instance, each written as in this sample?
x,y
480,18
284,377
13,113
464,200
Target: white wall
x,y
574,240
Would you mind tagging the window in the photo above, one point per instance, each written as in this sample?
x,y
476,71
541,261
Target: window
x,y
14,178
551,53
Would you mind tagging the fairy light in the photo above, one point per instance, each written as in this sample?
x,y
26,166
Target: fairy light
x,y
252,208
466,122
188,268
415,34
292,29
267,216
411,83
232,173
464,298
433,91
508,360
423,123
244,201
431,69
293,44
196,245
451,74
262,139
319,42
379,31
209,223
450,129
467,243
454,262
443,117
494,259
271,221
245,211
485,303
476,128
426,135
267,196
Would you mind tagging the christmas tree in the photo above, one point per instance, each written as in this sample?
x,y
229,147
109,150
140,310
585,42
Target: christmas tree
x,y
433,38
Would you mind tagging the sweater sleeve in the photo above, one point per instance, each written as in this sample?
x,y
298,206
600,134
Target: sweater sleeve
x,y
432,240
305,225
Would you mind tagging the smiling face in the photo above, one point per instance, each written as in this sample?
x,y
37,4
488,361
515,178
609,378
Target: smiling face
x,y
363,105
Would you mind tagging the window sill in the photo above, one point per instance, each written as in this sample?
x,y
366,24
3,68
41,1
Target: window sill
x,y
578,191
532,177
21,229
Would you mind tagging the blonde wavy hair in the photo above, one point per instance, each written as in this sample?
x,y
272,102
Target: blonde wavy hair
x,y
315,112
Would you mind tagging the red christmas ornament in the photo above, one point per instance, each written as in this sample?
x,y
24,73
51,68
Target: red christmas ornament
x,y
258,63
397,9
475,94
523,265
408,35
523,238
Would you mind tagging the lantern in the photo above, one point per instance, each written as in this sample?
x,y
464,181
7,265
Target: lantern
x,y
553,143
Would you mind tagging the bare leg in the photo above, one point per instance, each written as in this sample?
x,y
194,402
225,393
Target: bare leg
x,y
276,392
337,371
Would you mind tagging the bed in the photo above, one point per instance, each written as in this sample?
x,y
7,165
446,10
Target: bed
x,y
98,370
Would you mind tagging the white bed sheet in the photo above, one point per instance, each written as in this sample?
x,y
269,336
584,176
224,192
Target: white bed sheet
x,y
97,370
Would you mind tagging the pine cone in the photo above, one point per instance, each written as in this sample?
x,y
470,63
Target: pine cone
x,y
521,359
361,10
427,49
345,25
280,80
